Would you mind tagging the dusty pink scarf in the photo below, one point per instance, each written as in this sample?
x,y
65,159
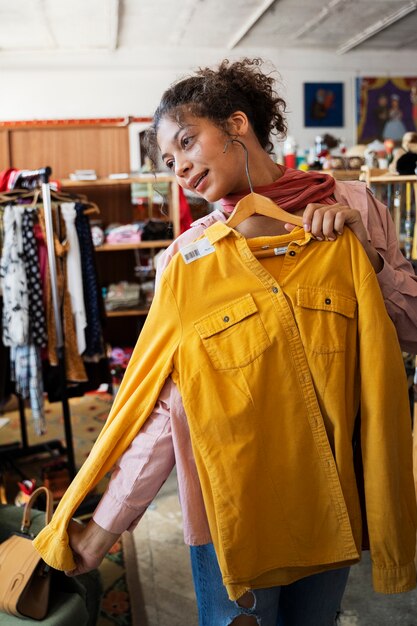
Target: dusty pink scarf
x,y
292,191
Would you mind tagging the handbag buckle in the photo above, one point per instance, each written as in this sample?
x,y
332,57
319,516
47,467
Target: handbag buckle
x,y
24,530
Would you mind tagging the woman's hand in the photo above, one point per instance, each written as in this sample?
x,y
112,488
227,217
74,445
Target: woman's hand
x,y
327,221
89,545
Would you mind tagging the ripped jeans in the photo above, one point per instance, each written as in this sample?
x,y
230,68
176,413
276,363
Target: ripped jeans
x,y
311,601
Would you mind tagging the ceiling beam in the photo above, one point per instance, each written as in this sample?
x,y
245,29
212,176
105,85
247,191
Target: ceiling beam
x,y
319,18
377,27
250,23
183,20
40,11
114,20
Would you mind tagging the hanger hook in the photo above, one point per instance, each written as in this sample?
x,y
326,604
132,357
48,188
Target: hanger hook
x,y
226,145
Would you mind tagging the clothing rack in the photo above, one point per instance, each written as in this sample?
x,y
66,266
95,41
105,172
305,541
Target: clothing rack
x,y
32,178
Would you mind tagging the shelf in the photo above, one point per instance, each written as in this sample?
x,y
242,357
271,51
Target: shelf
x,y
114,182
392,178
375,175
127,312
116,247
343,174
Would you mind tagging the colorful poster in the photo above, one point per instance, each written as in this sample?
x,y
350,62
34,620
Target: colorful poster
x,y
323,105
386,108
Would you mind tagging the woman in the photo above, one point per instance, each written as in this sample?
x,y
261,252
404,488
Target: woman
x,y
194,128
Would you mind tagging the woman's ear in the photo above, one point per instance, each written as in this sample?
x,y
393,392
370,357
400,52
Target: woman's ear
x,y
238,124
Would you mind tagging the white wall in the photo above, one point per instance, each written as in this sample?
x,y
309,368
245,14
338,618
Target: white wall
x,y
125,83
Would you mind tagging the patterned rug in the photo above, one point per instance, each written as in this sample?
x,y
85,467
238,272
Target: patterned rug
x,y
88,414
122,603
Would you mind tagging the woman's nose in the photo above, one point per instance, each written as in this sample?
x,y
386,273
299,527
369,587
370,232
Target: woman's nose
x,y
182,167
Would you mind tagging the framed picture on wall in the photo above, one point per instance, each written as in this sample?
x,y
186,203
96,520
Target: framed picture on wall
x,y
386,108
323,105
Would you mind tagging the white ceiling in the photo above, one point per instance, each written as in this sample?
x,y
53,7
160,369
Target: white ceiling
x,y
53,26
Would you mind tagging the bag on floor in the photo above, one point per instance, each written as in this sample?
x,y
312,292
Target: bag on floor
x,y
24,577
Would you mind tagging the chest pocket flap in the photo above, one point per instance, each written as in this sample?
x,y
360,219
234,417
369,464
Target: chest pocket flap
x,y
322,299
234,335
226,317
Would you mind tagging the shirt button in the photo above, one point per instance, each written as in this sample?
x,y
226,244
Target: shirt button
x,y
291,253
328,301
226,318
275,289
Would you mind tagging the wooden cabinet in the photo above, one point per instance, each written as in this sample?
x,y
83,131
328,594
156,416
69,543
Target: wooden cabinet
x,y
65,148
120,262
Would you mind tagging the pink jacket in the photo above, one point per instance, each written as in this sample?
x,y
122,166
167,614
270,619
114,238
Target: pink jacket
x,y
164,440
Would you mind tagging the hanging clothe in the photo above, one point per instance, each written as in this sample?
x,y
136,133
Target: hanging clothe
x,y
92,295
74,366
74,275
37,320
14,282
23,320
26,372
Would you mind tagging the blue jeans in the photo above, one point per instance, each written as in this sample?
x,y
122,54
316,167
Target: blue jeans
x,y
311,601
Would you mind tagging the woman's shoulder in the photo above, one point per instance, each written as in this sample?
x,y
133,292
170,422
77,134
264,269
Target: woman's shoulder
x,y
354,193
350,188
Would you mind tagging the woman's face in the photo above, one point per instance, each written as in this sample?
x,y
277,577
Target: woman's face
x,y
194,151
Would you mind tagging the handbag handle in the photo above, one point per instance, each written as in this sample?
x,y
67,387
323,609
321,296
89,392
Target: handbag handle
x,y
26,521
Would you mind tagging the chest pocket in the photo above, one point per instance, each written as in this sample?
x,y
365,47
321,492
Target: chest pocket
x,y
323,317
234,335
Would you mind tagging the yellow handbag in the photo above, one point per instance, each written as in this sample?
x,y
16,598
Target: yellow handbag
x,y
24,577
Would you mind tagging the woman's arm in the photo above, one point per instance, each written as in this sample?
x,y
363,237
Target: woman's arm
x,y
397,278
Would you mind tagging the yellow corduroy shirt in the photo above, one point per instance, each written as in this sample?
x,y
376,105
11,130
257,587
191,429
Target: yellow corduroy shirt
x,y
272,373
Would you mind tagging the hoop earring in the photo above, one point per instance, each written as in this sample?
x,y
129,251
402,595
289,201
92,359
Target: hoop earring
x,y
240,142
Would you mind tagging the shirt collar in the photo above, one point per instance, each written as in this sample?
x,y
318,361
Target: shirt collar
x,y
220,230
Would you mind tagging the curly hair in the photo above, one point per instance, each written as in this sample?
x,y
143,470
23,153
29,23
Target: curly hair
x,y
219,92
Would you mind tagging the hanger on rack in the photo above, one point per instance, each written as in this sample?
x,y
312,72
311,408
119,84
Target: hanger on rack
x,y
91,208
57,197
257,204
63,196
8,197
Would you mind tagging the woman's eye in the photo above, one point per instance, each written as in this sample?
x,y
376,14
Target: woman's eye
x,y
186,141
169,164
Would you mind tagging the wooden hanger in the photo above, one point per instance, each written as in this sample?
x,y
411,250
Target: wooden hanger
x,y
91,209
257,204
57,197
9,197
63,196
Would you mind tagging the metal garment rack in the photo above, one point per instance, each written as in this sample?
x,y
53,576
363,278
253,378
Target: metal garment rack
x,y
24,449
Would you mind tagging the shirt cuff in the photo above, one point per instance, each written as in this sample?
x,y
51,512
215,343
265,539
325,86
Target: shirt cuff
x,y
110,516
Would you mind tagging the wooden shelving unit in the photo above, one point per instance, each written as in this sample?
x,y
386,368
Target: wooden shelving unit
x,y
397,192
142,245
80,186
128,312
343,174
116,262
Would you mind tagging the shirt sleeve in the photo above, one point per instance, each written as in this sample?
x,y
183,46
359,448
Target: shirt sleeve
x,y
386,441
140,472
149,367
397,279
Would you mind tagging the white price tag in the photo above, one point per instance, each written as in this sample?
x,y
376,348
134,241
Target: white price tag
x,y
196,250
